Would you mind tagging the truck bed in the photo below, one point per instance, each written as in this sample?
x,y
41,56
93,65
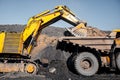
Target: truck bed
x,y
99,43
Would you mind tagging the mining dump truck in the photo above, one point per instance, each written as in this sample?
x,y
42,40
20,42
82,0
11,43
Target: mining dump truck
x,y
90,54
15,48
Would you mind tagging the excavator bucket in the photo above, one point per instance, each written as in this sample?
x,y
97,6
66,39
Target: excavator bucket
x,y
78,31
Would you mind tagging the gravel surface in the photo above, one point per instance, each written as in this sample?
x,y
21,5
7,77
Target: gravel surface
x,y
61,73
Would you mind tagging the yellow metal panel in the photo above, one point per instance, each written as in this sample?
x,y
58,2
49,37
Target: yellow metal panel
x,y
117,41
20,48
116,30
34,34
29,30
49,17
11,43
2,37
34,23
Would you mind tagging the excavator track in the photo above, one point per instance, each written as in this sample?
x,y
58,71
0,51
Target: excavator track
x,y
18,65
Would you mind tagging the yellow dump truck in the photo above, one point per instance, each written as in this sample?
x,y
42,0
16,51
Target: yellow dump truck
x,y
90,54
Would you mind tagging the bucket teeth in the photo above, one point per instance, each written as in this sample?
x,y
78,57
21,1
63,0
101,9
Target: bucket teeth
x,y
78,33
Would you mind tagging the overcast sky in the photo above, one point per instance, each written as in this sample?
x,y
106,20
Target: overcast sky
x,y
103,14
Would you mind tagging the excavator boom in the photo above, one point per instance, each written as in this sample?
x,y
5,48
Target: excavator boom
x,y
38,22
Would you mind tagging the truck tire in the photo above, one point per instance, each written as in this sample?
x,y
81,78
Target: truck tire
x,y
86,64
70,64
118,60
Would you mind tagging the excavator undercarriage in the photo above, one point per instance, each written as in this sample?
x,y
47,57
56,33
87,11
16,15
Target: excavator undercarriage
x,y
18,65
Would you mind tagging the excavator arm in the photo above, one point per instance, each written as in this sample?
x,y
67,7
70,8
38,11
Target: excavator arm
x,y
38,22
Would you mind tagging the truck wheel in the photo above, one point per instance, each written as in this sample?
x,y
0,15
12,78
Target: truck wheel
x,y
31,68
86,64
118,60
70,64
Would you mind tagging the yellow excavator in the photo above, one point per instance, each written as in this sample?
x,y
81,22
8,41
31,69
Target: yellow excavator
x,y
15,48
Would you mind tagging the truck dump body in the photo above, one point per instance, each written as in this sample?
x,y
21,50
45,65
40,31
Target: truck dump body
x,y
98,43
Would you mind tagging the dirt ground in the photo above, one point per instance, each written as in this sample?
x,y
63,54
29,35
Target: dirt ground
x,y
57,68
61,73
